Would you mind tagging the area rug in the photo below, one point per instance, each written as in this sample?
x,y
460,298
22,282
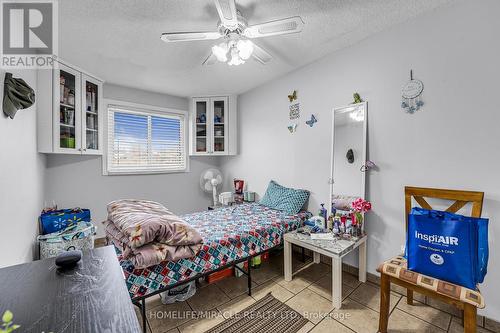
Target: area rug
x,y
266,315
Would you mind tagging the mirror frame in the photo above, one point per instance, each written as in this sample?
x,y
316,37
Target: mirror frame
x,y
340,110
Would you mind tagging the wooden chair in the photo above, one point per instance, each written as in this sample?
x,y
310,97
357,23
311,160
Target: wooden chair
x,y
394,270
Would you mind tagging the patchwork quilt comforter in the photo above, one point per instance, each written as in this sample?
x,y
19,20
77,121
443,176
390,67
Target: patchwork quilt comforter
x,y
229,234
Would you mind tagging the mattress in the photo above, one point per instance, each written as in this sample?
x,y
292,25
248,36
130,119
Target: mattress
x,y
229,234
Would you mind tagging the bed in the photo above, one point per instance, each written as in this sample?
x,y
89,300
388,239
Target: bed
x,y
231,235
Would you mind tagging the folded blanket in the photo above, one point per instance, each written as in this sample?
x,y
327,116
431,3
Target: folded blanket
x,y
148,233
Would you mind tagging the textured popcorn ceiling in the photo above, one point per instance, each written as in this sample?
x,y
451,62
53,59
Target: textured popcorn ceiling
x,y
119,40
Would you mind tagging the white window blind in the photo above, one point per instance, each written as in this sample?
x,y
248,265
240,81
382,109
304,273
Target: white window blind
x,y
143,142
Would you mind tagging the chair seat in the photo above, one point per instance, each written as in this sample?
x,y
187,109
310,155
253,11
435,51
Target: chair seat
x,y
396,267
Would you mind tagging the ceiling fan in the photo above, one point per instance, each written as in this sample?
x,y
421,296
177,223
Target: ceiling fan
x,y
236,46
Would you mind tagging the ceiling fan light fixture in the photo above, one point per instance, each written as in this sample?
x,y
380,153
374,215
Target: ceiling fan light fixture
x,y
233,27
235,58
220,51
236,51
245,48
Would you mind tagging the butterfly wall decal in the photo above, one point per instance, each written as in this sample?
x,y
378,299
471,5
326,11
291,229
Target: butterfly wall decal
x,y
293,96
292,128
312,121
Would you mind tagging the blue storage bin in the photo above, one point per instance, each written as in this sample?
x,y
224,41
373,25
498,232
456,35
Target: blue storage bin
x,y
61,219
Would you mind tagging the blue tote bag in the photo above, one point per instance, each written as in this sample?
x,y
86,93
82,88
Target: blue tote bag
x,y
448,246
58,220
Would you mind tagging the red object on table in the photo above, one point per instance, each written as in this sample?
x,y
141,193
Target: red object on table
x,y
353,219
238,186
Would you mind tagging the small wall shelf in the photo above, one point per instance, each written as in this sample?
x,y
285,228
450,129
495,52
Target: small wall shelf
x,y
70,114
213,126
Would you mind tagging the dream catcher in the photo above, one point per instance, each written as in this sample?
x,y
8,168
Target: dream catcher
x,y
411,95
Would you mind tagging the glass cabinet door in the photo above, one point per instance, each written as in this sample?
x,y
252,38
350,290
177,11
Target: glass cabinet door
x,y
91,115
67,123
201,126
220,125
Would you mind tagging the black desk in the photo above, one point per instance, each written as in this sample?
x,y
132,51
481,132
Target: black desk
x,y
91,298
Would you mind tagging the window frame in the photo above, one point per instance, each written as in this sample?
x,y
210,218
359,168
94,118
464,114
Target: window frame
x,y
146,110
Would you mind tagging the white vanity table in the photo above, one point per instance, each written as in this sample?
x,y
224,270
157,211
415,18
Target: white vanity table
x,y
334,249
347,182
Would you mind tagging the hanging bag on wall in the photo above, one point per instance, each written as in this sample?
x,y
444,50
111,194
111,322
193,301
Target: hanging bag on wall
x,y
448,246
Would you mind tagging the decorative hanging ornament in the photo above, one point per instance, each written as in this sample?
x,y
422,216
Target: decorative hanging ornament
x,y
411,95
312,121
294,107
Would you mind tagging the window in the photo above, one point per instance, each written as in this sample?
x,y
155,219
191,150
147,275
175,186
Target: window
x,y
145,141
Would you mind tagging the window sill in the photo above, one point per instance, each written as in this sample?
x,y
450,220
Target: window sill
x,y
142,172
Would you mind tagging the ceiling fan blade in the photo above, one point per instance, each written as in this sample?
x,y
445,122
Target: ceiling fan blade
x,y
279,27
227,13
210,60
189,36
261,55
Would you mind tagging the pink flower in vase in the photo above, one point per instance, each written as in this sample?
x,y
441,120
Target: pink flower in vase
x,y
360,206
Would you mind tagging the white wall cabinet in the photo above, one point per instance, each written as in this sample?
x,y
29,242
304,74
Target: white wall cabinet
x,y
213,126
70,114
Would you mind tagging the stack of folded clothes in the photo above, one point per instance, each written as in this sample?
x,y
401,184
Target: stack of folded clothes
x,y
147,233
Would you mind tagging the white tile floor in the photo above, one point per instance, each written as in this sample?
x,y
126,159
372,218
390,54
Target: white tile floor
x,y
308,293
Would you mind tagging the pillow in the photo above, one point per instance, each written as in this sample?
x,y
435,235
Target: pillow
x,y
288,200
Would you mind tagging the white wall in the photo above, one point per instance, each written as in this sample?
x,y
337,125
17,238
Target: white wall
x,y
453,142
77,181
21,180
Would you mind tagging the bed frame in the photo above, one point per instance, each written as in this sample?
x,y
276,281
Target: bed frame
x,y
140,301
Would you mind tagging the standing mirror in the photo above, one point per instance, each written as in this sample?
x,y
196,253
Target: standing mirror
x,y
348,154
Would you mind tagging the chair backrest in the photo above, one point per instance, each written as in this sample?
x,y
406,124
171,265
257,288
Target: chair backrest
x,y
459,198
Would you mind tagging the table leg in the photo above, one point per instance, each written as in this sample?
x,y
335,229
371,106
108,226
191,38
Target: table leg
x,y
316,257
336,282
362,262
288,261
